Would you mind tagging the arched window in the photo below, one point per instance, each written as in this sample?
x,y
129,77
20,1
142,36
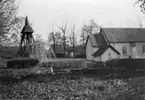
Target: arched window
x,y
124,50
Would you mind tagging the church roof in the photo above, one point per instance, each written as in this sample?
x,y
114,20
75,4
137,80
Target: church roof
x,y
115,35
101,50
27,27
97,40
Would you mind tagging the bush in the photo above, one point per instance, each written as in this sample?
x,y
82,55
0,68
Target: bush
x,y
94,64
72,64
8,52
85,71
8,75
127,64
22,63
64,63
100,71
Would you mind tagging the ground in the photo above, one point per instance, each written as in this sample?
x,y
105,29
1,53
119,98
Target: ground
x,y
73,87
126,85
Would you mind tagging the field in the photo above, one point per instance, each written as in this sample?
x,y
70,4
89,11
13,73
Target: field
x,y
80,85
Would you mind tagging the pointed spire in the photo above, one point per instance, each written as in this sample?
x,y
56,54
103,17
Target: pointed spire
x,y
27,28
26,21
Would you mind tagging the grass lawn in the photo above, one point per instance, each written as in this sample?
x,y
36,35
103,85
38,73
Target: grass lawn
x,y
73,87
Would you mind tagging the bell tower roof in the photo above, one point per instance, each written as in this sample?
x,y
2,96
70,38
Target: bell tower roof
x,y
27,28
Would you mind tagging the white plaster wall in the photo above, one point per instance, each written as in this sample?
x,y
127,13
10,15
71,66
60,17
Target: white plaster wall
x,y
138,52
105,56
134,52
97,59
119,46
90,50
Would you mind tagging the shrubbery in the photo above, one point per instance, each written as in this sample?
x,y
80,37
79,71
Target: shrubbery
x,y
93,64
64,63
97,71
8,52
16,73
127,64
72,64
21,63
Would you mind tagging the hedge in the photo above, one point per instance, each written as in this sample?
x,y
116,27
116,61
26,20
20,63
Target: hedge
x,y
21,63
64,63
127,64
94,64
72,64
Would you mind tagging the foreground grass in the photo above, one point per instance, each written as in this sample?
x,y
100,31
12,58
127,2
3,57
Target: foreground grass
x,y
99,83
73,87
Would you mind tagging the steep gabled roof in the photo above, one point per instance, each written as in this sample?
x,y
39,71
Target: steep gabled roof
x,y
101,41
100,38
97,40
27,28
124,34
93,40
103,49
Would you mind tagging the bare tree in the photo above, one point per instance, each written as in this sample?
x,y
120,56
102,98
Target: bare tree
x,y
83,38
91,28
88,29
72,37
54,38
51,38
63,29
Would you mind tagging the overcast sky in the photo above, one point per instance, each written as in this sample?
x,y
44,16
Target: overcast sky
x,y
46,15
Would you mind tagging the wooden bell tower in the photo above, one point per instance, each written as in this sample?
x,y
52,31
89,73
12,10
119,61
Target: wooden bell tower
x,y
26,47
